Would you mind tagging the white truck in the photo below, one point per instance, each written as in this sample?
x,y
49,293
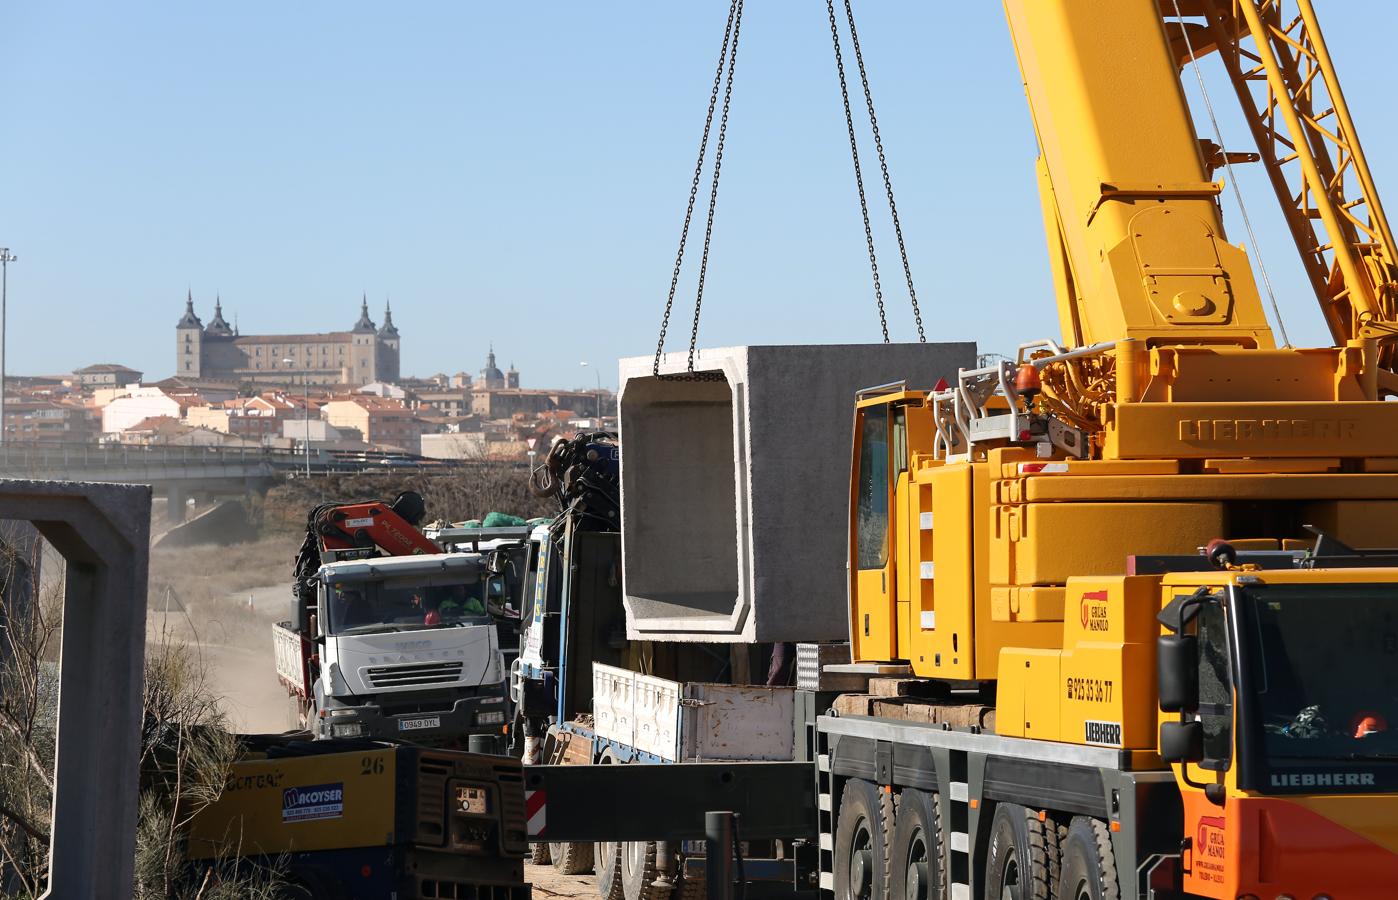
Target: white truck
x,y
399,646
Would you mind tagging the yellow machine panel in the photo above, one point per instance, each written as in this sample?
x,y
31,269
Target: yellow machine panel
x,y
1047,543
299,804
1103,680
941,624
1028,695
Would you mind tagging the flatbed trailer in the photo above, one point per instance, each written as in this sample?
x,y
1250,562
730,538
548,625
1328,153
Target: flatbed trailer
x,y
952,787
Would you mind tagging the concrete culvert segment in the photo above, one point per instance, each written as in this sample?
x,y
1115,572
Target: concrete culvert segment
x,y
735,485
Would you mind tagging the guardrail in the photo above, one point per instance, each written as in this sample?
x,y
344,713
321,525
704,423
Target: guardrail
x,y
69,460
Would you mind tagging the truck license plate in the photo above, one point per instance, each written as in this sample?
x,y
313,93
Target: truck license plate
x,y
419,724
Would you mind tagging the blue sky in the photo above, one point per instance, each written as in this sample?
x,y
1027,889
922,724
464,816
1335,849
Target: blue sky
x,y
517,172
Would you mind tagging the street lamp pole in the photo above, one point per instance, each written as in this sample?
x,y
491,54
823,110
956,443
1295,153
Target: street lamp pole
x,y
599,390
6,257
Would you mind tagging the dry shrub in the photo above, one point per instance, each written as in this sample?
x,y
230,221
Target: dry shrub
x,y
456,496
186,752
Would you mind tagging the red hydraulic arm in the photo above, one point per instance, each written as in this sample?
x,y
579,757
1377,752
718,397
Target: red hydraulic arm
x,y
373,523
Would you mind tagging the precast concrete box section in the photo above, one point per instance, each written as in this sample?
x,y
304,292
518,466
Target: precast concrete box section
x,y
735,485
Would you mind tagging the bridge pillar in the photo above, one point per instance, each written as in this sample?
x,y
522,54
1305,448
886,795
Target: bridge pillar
x,y
175,497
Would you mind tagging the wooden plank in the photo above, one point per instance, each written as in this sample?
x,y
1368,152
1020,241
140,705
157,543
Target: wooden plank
x,y
855,704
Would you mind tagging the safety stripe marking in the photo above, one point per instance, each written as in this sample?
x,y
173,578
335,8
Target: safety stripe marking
x,y
823,762
927,569
925,520
827,842
959,792
960,892
535,807
824,802
827,882
960,843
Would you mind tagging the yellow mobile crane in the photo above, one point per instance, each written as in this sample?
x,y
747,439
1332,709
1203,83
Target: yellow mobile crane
x,y
1168,722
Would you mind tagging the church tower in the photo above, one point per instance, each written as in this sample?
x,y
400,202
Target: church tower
x,y
492,379
364,345
389,354
189,342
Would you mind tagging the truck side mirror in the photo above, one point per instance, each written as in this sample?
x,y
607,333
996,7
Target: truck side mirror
x,y
1177,671
1182,742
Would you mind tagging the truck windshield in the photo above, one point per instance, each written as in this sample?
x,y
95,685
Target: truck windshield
x,y
1324,666
374,606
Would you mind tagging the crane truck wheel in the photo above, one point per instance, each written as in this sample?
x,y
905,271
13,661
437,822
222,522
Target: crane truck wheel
x,y
538,854
640,873
692,887
1022,861
607,856
571,857
860,855
1089,865
915,870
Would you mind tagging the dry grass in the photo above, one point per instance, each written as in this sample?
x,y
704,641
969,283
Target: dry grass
x,y
498,487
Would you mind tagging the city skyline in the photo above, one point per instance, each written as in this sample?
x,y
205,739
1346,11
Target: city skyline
x,y
495,194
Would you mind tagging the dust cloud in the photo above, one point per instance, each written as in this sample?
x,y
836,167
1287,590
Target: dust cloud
x,y
221,602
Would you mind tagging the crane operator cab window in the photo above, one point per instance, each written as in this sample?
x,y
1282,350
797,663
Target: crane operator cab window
x,y
871,500
377,607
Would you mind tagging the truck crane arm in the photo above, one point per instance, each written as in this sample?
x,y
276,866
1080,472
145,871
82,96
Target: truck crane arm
x,y
336,531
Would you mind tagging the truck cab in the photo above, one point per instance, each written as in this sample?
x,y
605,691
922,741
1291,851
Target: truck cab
x,y
404,647
1279,704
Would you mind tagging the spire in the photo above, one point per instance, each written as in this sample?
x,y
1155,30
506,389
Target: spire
x,y
218,327
365,324
189,319
389,330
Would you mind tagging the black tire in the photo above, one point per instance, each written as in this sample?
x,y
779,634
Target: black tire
x,y
538,854
916,869
692,885
641,878
1022,861
1089,865
860,851
607,857
571,857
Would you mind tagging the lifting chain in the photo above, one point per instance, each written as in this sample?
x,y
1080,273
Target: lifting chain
x,y
883,166
728,58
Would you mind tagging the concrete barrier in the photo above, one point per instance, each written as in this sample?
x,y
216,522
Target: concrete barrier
x,y
735,488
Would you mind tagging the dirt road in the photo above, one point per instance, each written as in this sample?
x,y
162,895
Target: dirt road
x,y
548,883
232,639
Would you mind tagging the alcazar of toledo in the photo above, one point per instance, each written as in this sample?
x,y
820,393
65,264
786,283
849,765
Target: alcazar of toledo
x,y
218,352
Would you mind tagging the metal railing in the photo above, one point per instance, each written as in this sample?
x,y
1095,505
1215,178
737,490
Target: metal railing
x,y
58,459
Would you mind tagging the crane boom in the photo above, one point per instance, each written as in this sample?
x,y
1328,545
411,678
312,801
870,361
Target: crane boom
x,y
1285,80
1134,231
